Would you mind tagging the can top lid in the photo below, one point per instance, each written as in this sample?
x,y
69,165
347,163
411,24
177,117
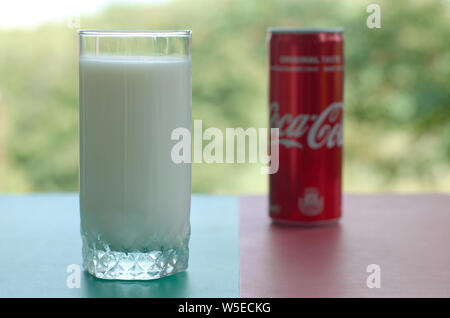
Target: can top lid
x,y
304,30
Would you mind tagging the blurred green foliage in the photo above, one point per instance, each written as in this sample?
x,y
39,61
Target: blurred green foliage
x,y
397,95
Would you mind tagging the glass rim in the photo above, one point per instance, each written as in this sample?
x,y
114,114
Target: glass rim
x,y
136,33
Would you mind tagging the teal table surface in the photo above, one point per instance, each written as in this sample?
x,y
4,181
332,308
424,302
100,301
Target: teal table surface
x,y
40,238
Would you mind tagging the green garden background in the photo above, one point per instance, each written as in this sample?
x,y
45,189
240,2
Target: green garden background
x,y
397,89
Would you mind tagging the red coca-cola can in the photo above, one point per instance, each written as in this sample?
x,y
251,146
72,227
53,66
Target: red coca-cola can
x,y
306,104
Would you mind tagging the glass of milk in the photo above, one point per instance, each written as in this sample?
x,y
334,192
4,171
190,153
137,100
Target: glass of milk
x,y
134,90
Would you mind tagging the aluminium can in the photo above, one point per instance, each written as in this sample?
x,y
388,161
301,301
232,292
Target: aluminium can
x,y
306,85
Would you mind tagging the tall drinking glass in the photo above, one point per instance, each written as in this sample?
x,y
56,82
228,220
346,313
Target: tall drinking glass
x,y
135,88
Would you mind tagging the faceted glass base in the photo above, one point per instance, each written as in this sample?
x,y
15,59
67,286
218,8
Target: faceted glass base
x,y
107,264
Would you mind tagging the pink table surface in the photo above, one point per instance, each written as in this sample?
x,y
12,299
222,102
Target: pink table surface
x,y
407,235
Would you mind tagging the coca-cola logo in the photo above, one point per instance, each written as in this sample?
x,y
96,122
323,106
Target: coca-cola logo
x,y
322,130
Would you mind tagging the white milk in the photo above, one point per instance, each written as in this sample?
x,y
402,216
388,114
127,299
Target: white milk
x,y
132,196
